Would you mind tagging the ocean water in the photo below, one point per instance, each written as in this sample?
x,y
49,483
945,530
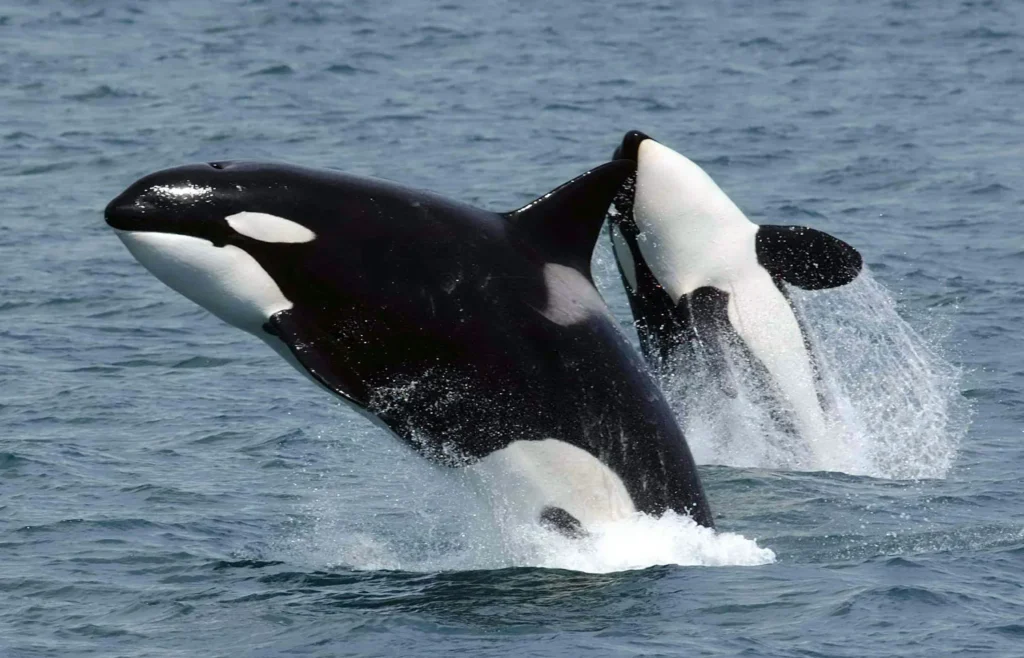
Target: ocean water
x,y
170,487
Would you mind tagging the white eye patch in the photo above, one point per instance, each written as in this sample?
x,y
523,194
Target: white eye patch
x,y
269,228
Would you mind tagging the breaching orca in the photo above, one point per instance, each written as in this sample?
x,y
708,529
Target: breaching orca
x,y
476,337
704,282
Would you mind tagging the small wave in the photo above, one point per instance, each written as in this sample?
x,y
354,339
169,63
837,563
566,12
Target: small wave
x,y
91,524
277,69
9,460
60,301
202,362
1013,630
102,632
900,549
101,92
792,210
901,595
138,363
248,563
985,33
343,69
991,189
761,42
827,62
568,107
218,437
44,168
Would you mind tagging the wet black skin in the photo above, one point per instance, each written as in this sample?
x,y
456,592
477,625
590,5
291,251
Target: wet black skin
x,y
428,313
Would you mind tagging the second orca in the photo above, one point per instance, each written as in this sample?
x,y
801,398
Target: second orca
x,y
704,282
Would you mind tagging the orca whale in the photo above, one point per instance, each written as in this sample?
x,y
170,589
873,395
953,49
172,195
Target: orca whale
x,y
705,284
476,337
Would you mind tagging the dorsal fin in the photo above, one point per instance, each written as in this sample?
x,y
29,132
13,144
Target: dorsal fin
x,y
566,222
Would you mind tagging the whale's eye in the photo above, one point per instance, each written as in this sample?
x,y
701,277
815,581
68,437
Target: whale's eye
x,y
217,165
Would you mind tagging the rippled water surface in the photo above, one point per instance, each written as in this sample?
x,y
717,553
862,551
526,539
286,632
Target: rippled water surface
x,y
170,487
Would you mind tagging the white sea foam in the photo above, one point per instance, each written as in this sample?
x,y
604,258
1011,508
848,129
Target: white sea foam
x,y
457,542
639,542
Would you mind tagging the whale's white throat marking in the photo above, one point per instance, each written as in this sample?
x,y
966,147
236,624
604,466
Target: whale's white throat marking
x,y
269,228
692,235
528,476
226,281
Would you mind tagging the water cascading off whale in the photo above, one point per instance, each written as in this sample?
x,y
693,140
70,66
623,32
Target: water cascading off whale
x,y
707,286
477,338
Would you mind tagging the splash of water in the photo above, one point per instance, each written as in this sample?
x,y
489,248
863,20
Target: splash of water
x,y
896,410
430,544
638,542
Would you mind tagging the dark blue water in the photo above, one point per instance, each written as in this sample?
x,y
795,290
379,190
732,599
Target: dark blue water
x,y
169,487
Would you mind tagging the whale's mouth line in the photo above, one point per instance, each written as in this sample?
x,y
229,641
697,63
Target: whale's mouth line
x,y
142,218
128,232
128,219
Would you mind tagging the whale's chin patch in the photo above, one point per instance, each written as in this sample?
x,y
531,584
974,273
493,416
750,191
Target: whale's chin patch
x,y
226,280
